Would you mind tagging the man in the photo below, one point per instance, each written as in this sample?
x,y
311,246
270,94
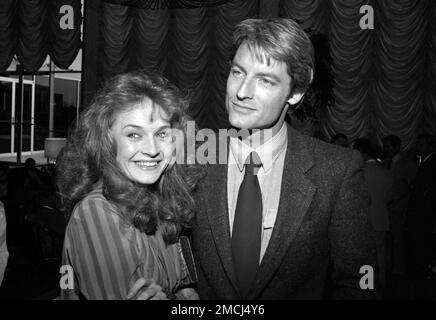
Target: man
x,y
403,171
309,229
340,139
378,183
421,219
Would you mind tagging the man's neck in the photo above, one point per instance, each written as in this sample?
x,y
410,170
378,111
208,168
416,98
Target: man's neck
x,y
260,136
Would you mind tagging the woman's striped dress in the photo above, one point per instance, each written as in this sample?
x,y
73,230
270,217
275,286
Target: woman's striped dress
x,y
107,256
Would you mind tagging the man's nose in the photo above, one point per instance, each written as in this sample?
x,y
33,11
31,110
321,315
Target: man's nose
x,y
245,90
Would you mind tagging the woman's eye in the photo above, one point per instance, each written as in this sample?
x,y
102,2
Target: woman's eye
x,y
133,135
162,134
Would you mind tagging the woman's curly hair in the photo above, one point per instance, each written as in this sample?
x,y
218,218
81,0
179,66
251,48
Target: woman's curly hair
x,y
89,158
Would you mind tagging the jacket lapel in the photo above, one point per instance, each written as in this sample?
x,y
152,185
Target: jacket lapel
x,y
295,197
217,211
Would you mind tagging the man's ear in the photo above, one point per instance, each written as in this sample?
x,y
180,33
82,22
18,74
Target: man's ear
x,y
295,98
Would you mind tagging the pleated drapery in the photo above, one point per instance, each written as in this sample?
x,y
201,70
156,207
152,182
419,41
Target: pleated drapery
x,y
189,46
385,78
31,29
383,81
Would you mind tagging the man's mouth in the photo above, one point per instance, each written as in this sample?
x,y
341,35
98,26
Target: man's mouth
x,y
242,107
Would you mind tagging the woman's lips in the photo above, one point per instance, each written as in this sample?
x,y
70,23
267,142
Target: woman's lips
x,y
147,164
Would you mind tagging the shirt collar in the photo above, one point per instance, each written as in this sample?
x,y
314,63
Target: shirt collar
x,y
426,158
371,160
268,151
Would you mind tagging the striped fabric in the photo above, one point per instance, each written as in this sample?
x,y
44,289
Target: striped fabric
x,y
3,248
107,256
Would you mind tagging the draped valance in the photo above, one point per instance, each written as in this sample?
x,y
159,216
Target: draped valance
x,y
383,80
31,29
190,46
385,77
166,4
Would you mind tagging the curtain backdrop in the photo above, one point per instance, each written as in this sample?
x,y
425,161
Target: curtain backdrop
x,y
189,46
30,29
385,78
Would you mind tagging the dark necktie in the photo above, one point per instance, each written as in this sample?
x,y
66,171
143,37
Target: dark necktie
x,y
247,226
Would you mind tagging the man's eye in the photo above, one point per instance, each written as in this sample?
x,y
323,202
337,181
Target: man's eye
x,y
266,82
236,73
133,135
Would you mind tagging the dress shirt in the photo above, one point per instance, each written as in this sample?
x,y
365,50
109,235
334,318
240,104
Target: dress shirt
x,y
426,158
272,155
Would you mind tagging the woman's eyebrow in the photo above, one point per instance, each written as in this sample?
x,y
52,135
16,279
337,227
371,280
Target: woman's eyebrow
x,y
138,127
135,126
162,127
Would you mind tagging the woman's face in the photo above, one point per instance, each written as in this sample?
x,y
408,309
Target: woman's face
x,y
144,142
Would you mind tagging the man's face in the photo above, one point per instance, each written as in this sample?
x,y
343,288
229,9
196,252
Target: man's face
x,y
257,93
389,150
341,142
423,148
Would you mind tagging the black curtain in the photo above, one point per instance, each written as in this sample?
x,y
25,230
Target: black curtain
x,y
31,29
190,46
385,78
382,81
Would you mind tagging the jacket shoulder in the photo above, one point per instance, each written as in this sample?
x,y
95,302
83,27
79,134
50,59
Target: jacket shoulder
x,y
326,155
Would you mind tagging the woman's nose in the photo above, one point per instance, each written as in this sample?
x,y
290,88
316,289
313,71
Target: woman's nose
x,y
150,147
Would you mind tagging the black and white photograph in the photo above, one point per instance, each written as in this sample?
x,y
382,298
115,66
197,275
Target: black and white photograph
x,y
228,152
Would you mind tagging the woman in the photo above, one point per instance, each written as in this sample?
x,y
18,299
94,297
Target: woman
x,y
128,199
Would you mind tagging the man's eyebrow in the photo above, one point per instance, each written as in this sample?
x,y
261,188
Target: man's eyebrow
x,y
235,64
261,74
269,75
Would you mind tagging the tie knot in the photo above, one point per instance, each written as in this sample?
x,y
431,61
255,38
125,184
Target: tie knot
x,y
252,163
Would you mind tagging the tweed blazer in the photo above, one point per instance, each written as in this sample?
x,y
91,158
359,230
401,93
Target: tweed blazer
x,y
322,234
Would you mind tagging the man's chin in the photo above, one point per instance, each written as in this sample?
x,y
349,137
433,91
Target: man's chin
x,y
239,122
240,126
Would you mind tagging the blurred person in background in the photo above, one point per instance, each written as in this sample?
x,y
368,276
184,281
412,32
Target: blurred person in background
x,y
340,139
403,170
378,182
421,218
